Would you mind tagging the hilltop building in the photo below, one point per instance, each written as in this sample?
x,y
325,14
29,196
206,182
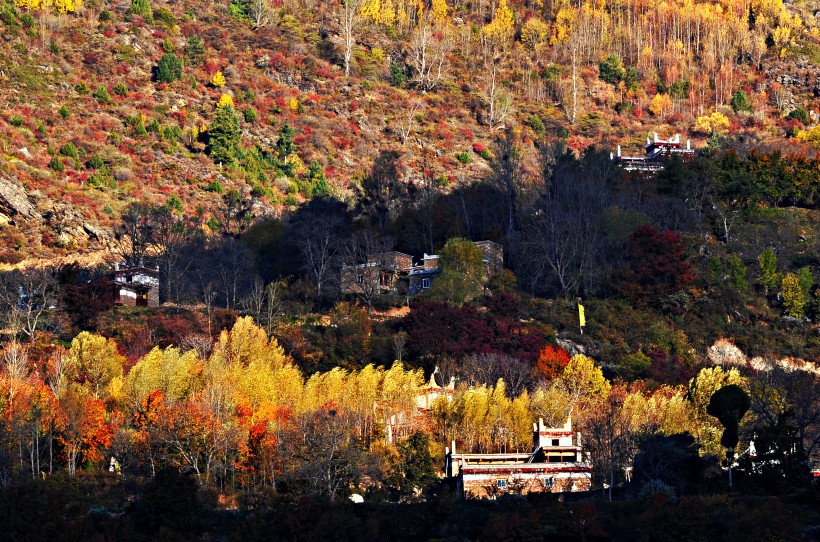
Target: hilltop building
x,y
394,272
557,464
657,152
136,286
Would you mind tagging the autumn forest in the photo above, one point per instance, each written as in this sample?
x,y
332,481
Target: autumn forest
x,y
206,333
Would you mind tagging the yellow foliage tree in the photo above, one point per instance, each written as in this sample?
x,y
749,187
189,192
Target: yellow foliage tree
x,y
502,26
66,6
583,381
381,12
387,14
247,342
438,9
810,136
701,389
661,104
370,9
534,32
95,361
47,6
225,100
218,80
716,122
562,28
794,299
550,403
167,370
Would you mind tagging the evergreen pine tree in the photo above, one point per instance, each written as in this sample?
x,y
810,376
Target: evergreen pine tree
x,y
223,135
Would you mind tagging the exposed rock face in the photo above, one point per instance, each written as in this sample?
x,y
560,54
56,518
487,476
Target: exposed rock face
x,y
723,352
571,347
786,364
14,200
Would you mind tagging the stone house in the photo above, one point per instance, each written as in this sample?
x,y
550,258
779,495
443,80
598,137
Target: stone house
x,y
394,272
136,286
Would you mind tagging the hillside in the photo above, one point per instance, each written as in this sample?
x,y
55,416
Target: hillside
x,y
86,125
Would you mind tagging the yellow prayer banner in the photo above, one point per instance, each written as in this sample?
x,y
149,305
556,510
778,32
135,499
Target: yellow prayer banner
x,y
581,316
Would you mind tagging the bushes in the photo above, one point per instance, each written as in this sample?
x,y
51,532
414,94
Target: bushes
x,y
215,186
70,151
143,9
195,50
101,95
169,68
611,70
165,16
56,164
536,124
741,102
799,114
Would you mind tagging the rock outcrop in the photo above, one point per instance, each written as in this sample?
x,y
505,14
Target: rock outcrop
x,y
14,200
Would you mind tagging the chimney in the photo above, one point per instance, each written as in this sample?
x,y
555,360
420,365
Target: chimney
x,y
688,145
619,151
453,447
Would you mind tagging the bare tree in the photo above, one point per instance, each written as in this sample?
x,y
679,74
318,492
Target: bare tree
x,y
15,365
491,367
563,237
499,100
318,236
264,302
321,453
399,341
363,260
172,235
570,86
508,176
430,44
135,234
26,297
780,393
202,344
405,121
351,19
260,12
233,264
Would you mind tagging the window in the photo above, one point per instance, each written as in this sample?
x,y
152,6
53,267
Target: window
x,y
360,279
425,283
501,483
555,442
549,481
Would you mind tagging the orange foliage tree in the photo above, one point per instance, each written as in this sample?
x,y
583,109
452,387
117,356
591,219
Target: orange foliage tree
x,y
551,361
82,429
